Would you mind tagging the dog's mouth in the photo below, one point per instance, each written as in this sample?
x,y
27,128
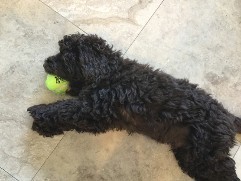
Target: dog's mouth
x,y
51,69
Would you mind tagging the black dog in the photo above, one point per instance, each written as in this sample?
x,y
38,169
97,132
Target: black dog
x,y
116,93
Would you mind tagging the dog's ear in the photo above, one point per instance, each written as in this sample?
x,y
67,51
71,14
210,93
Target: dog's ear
x,y
91,42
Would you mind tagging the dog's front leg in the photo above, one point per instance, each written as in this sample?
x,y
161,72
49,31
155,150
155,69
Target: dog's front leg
x,y
84,115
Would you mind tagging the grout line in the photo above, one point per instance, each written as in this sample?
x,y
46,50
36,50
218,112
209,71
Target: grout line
x,y
88,33
63,17
178,50
236,151
64,135
144,27
9,173
47,158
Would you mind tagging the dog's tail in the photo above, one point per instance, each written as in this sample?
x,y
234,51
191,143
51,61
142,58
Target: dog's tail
x,y
237,124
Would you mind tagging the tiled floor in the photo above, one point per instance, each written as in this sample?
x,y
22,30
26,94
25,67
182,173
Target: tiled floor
x,y
198,40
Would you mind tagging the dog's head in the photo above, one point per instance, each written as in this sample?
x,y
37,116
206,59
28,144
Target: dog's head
x,y
82,57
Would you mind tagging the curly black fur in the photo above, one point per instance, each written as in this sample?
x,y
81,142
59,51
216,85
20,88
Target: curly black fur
x,y
116,93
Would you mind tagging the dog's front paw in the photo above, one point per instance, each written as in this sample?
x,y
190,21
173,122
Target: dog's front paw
x,y
46,128
36,111
45,120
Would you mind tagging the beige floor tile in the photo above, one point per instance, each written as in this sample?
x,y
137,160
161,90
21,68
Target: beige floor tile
x,y
111,156
29,32
197,40
192,27
118,21
4,176
237,159
238,138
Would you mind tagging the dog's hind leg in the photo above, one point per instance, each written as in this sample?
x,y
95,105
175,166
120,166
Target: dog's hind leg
x,y
204,167
205,156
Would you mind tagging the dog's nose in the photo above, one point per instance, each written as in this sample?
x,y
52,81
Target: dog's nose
x,y
49,60
44,65
49,64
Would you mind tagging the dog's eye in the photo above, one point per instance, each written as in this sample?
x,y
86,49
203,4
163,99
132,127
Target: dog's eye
x,y
68,57
62,50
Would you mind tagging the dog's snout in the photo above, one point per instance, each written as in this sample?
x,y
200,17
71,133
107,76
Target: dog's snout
x,y
49,64
49,60
45,65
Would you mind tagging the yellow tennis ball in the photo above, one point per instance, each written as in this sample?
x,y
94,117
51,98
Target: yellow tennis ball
x,y
56,84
